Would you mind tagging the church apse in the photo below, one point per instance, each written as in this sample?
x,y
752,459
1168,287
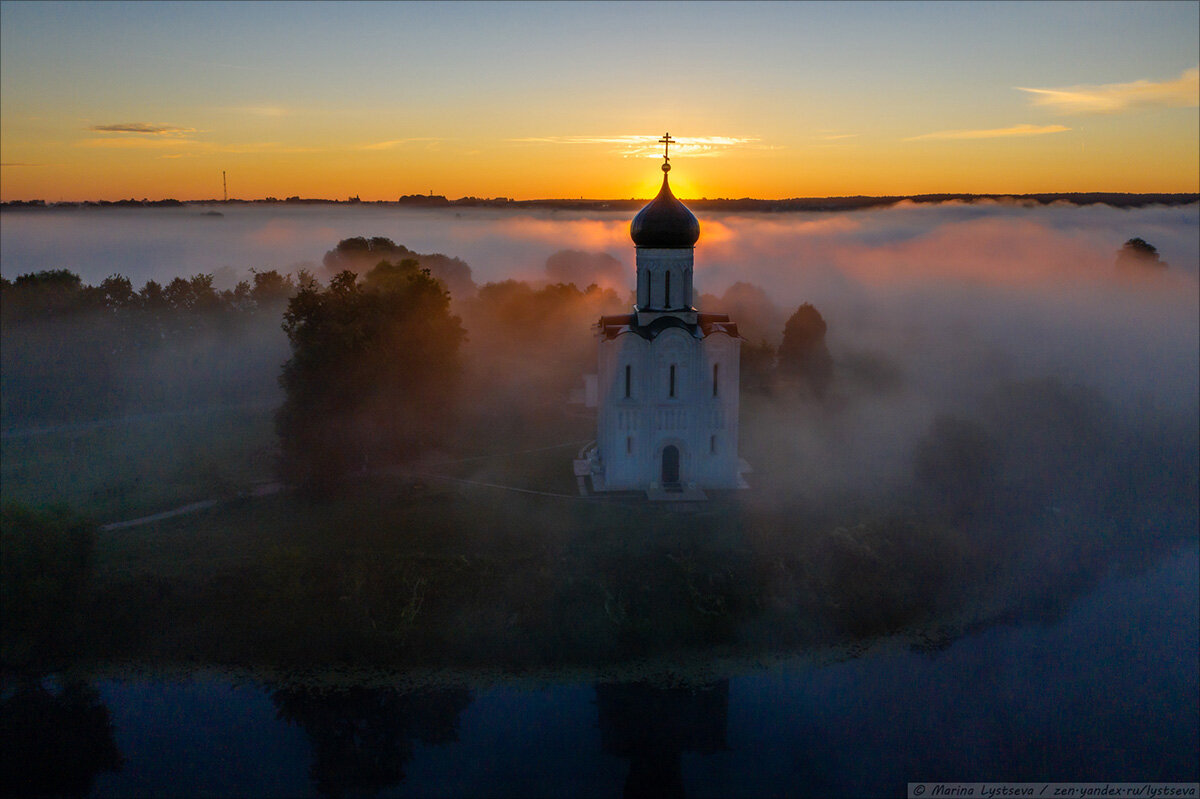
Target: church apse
x,y
667,383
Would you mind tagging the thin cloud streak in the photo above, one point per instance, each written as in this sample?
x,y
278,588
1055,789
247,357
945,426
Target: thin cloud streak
x,y
143,128
393,143
1113,98
648,146
189,147
993,133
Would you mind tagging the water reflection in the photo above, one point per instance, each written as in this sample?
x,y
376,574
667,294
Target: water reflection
x,y
363,737
654,726
54,740
1106,690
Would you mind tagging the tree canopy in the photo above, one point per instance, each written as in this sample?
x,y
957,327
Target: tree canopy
x,y
373,374
360,254
1139,255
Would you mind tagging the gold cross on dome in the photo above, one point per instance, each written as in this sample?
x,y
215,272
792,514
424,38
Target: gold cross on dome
x,y
666,141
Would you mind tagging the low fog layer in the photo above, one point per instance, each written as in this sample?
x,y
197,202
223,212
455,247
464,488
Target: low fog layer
x,y
161,243
940,302
994,391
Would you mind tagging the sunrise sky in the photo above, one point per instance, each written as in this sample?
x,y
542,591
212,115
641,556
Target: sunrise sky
x,y
542,100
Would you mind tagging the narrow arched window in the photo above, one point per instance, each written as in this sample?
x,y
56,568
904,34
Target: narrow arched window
x,y
712,445
716,371
672,381
628,445
628,380
667,291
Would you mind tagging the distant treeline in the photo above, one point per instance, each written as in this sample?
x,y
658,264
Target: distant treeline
x,y
1115,199
60,292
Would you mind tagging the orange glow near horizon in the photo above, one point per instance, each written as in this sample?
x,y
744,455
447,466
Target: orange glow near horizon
x,y
162,168
109,101
115,178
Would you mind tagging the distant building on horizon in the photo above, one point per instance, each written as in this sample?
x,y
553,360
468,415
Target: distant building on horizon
x,y
667,388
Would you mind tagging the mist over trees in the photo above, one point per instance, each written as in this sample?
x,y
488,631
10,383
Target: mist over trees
x,y
73,351
759,318
941,450
584,269
1138,256
529,346
803,356
360,255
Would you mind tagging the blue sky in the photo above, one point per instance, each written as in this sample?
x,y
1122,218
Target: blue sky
x,y
453,92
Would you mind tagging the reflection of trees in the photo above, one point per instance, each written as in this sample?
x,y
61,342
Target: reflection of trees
x,y
362,737
53,743
655,726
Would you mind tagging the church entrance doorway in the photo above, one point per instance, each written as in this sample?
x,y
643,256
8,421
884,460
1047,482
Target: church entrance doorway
x,y
670,467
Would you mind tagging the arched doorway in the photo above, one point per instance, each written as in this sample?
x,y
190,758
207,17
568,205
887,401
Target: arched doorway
x,y
670,466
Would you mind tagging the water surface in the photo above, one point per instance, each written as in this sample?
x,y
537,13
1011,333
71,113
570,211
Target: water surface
x,y
1107,692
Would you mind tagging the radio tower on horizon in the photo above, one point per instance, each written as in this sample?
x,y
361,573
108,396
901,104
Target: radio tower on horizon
x,y
224,185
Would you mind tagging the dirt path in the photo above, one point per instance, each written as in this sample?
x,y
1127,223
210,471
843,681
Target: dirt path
x,y
263,490
267,489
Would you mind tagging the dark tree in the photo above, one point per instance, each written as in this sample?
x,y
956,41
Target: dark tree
x,y
192,294
271,288
758,367
373,372
46,294
359,255
1139,256
152,296
803,355
118,293
45,570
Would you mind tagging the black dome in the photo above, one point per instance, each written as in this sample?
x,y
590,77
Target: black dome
x,y
664,223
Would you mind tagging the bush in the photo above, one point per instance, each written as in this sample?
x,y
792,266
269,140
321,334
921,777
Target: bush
x,y
45,569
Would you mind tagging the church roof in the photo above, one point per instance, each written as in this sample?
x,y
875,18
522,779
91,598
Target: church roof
x,y
665,222
706,324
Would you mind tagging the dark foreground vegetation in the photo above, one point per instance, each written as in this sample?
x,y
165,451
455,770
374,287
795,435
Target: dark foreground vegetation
x,y
410,570
1005,516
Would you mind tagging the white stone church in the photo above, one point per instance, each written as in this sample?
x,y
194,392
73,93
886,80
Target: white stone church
x,y
667,387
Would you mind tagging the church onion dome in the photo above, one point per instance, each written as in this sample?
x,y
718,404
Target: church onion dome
x,y
665,223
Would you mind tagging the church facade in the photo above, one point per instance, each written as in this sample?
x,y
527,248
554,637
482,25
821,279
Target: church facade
x,y
667,386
